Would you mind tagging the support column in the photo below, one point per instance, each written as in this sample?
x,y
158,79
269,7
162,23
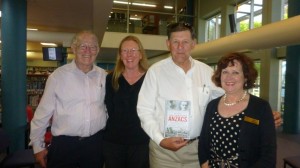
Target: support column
x,y
269,76
292,87
13,75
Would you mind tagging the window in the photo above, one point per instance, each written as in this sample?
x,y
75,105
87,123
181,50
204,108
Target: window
x,y
149,17
282,83
249,15
213,66
213,28
285,7
256,90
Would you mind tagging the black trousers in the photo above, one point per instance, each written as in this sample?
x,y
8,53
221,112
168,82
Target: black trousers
x,y
76,152
126,156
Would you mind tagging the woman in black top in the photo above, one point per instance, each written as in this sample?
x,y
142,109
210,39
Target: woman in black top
x,y
238,128
125,142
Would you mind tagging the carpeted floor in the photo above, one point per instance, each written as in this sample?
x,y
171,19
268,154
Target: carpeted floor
x,y
287,145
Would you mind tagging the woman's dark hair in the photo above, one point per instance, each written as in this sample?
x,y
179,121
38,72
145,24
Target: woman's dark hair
x,y
250,73
180,26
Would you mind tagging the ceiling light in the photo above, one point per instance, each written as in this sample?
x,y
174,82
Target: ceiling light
x,y
32,29
143,4
121,2
48,44
135,18
168,7
137,4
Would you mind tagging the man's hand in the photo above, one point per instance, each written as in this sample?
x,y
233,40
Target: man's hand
x,y
205,165
277,118
41,158
173,143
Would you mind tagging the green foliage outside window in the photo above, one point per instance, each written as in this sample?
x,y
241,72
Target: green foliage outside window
x,y
244,26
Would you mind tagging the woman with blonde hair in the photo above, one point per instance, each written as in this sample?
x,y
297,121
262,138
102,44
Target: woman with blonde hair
x,y
125,142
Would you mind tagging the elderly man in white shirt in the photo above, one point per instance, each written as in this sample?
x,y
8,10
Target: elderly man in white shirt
x,y
74,99
175,79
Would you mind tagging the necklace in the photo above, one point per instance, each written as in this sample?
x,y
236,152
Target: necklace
x,y
234,103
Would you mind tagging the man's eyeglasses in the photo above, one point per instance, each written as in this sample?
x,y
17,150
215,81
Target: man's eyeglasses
x,y
85,47
133,51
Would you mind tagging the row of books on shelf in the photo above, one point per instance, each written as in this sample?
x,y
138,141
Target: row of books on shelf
x,y
33,100
40,70
34,85
36,81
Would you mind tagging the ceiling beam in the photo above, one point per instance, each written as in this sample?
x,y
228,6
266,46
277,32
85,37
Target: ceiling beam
x,y
277,34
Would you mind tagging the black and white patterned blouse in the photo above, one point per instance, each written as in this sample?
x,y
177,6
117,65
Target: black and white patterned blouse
x,y
224,142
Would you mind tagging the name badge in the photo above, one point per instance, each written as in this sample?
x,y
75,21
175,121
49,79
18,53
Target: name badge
x,y
251,120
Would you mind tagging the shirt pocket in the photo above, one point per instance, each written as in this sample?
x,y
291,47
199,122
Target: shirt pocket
x,y
98,93
204,96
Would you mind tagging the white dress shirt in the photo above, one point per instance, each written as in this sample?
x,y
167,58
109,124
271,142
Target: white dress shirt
x,y
166,81
74,100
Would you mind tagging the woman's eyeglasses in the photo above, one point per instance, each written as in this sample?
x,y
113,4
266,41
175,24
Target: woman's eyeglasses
x,y
126,51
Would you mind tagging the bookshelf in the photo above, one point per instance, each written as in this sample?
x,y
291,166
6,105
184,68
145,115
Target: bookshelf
x,y
35,88
35,84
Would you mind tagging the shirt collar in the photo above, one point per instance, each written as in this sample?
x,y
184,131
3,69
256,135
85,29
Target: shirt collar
x,y
74,68
191,60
